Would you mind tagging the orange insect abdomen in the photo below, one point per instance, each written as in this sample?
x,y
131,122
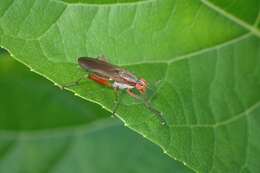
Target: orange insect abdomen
x,y
100,80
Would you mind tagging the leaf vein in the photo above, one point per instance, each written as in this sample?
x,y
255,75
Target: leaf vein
x,y
257,19
107,4
246,146
233,18
51,25
194,53
7,9
222,123
26,17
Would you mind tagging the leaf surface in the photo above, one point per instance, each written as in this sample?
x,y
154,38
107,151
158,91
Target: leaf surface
x,y
206,54
48,130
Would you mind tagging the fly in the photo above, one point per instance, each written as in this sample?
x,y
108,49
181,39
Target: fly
x,y
107,74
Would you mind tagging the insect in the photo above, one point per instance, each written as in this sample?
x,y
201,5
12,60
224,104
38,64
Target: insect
x,y
107,74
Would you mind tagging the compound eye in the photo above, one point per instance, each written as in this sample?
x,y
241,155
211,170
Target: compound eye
x,y
143,82
139,86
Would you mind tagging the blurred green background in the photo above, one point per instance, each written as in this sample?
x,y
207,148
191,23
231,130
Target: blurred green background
x,y
44,129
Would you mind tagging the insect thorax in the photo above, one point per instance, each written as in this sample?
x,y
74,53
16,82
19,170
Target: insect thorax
x,y
121,85
128,76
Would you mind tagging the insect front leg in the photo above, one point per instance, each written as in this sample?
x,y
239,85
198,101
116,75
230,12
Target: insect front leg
x,y
129,91
148,106
155,111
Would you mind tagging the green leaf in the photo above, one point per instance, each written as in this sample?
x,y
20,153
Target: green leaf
x,y
206,53
61,108
43,129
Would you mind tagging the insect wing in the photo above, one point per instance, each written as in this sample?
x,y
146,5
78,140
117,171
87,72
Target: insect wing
x,y
103,68
98,67
127,76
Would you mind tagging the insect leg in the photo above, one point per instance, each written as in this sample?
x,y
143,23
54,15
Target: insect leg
x,y
129,91
148,106
116,101
76,83
102,58
155,111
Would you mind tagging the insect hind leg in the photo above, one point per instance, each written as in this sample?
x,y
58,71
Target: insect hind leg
x,y
75,83
116,102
